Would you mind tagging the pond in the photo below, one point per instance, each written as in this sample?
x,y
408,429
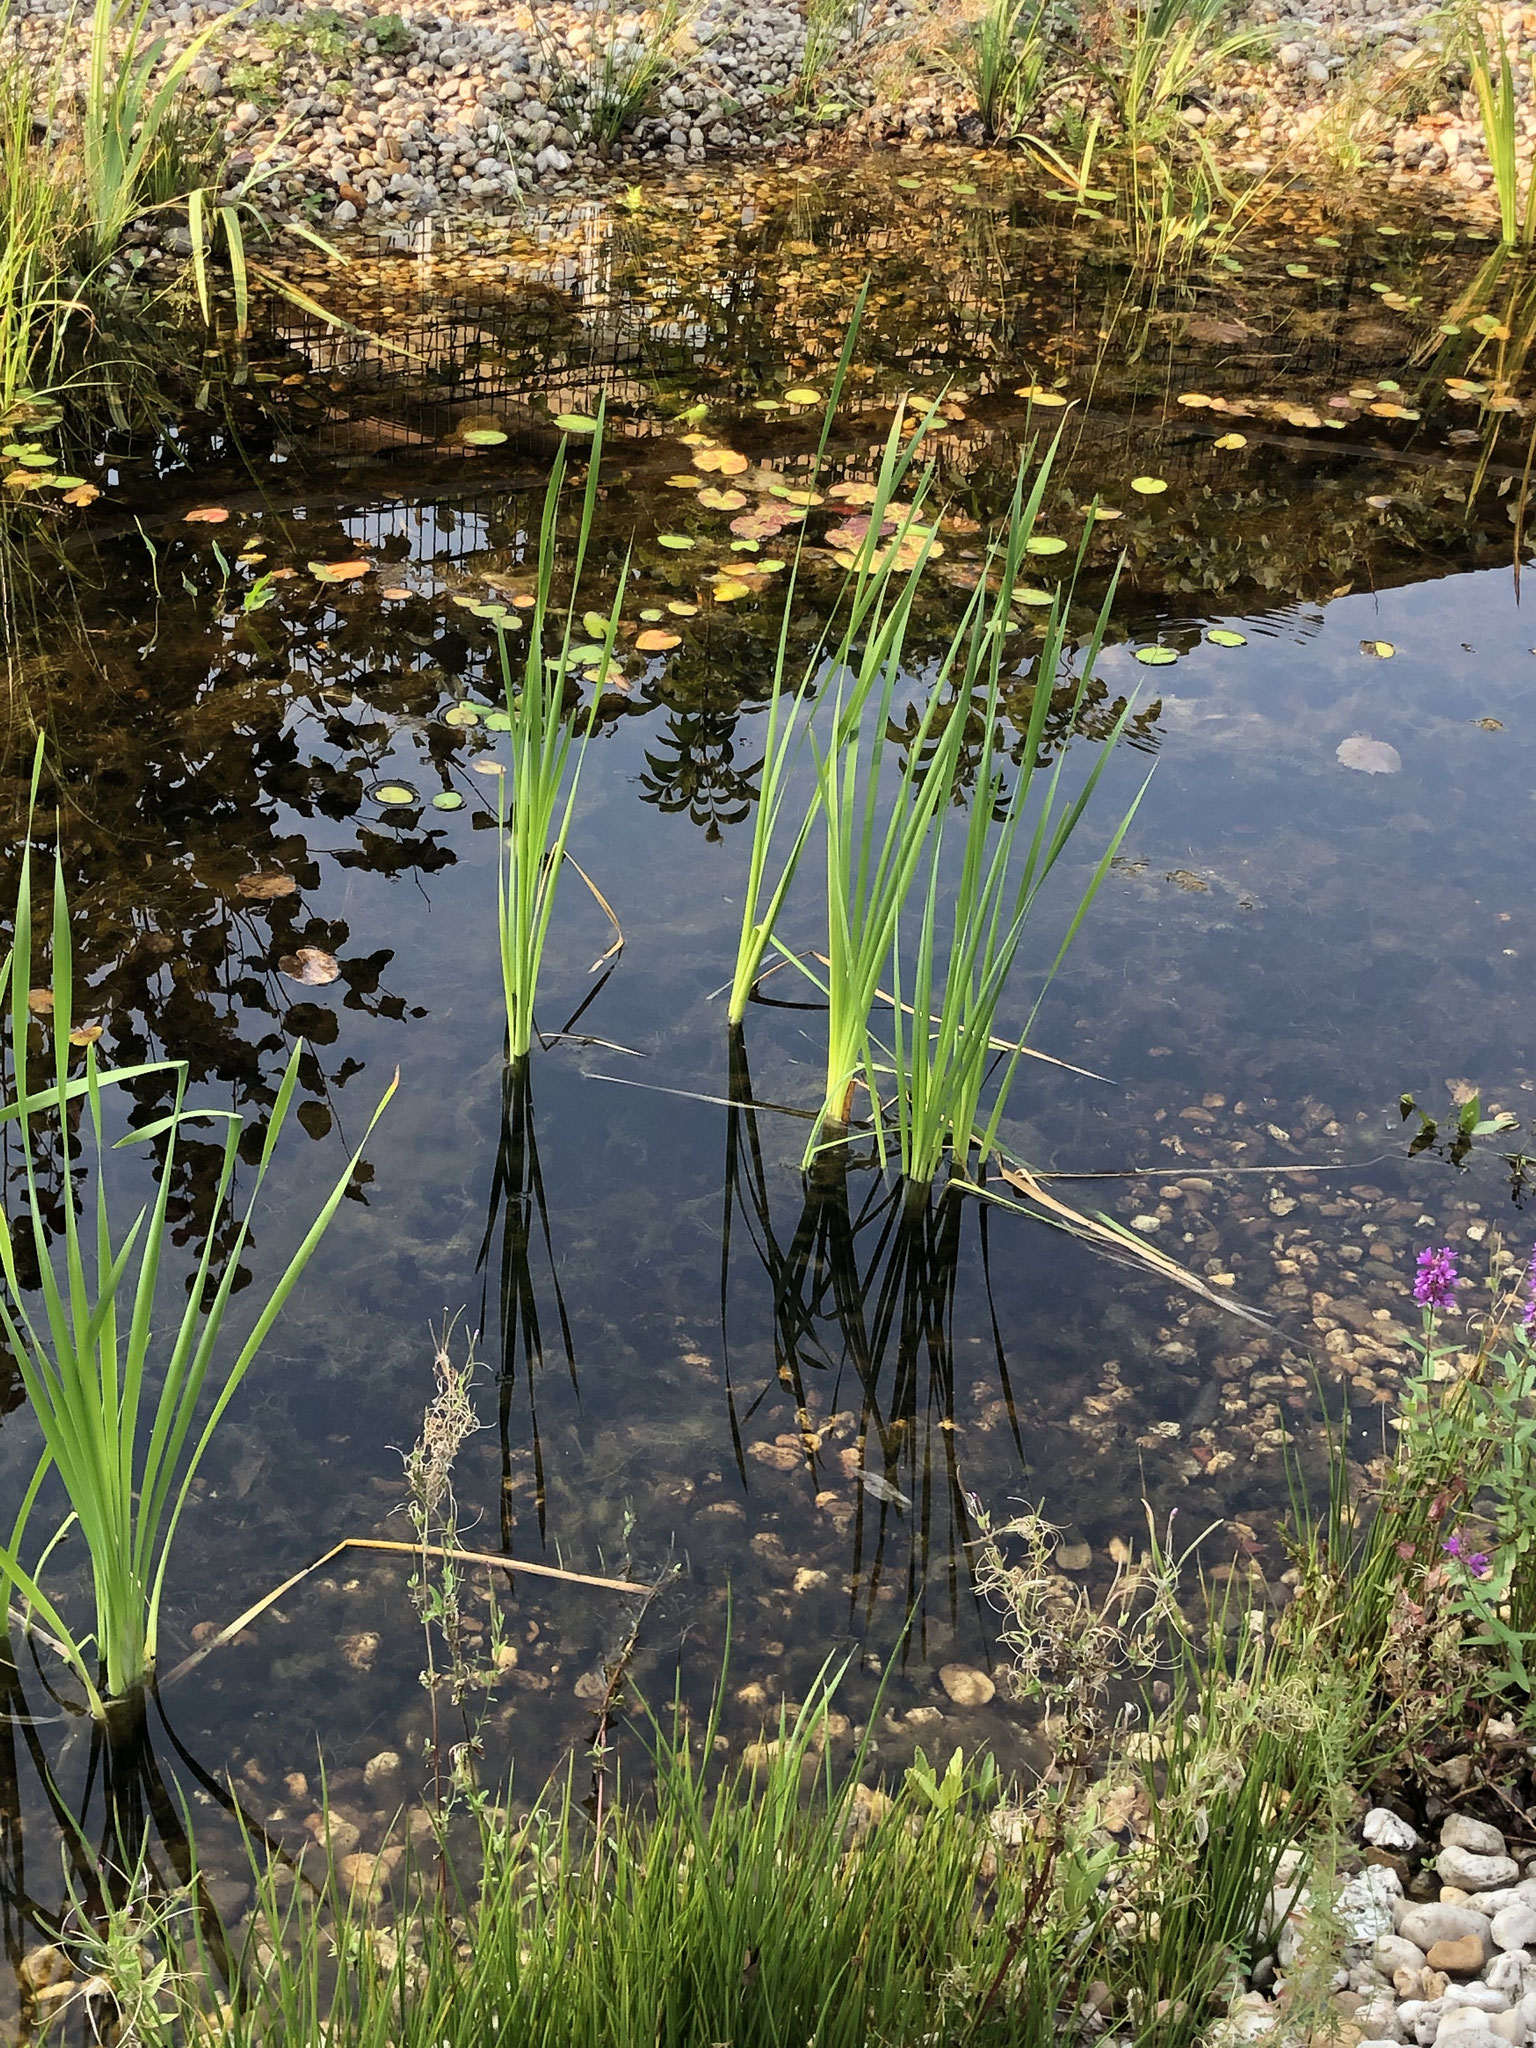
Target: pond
x,y
789,1391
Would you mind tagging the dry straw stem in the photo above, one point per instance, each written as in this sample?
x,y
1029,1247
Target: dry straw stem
x,y
492,1559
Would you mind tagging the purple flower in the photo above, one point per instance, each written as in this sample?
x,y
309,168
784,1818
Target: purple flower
x,y
1435,1283
1474,1561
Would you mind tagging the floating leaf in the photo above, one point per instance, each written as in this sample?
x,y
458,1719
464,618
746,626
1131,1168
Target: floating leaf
x,y
720,461
339,572
311,965
658,641
714,500
265,888
1223,636
1044,544
802,394
1149,486
1037,394
598,625
1384,409
396,795
83,494
1156,657
683,481
484,437
1371,757
1298,270
85,1034
447,800
1232,441
680,610
497,721
1195,399
461,714
206,515
652,613
575,423
489,767
850,494
1027,594
675,540
1381,650
40,1002
729,588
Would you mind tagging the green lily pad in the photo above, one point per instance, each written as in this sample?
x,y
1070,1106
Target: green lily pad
x,y
498,721
482,437
586,652
394,795
1044,544
1027,594
575,423
461,714
1223,636
1149,486
675,540
447,800
1156,657
652,613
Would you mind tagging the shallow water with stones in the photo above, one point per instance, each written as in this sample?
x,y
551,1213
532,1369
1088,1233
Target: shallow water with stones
x,y
691,1356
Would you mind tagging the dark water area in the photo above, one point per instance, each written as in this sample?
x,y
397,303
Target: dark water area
x,y
692,1354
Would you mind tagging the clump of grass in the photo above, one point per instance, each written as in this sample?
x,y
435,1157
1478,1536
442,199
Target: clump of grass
x,y
966,951
1499,107
537,803
999,55
1156,55
831,27
613,82
116,1396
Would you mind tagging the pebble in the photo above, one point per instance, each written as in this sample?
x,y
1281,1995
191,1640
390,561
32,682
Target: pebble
x,y
1425,1925
1468,1952
1513,1927
1384,1829
966,1686
1461,1831
1476,1873
382,1770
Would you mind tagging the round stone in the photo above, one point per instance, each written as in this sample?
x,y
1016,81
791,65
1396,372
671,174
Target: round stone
x,y
966,1686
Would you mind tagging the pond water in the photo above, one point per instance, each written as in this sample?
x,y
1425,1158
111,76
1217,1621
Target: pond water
x,y
691,1356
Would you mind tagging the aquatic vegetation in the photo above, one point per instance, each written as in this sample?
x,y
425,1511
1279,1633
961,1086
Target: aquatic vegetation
x,y
1000,54
117,1400
537,799
1153,57
623,72
1499,106
971,932
830,27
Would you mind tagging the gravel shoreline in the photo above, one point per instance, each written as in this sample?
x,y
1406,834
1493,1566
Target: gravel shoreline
x,y
475,108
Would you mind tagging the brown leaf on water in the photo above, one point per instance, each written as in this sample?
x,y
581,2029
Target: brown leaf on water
x,y
722,501
657,641
207,515
40,1002
85,1034
311,965
82,494
265,888
339,572
720,461
853,494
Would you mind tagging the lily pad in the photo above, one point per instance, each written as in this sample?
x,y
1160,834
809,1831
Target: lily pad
x,y
497,721
266,888
447,800
461,714
1370,757
575,423
1231,441
1223,636
802,394
658,641
720,461
729,588
675,540
714,500
1149,486
1156,657
339,572
1027,594
1044,544
1379,650
482,437
394,795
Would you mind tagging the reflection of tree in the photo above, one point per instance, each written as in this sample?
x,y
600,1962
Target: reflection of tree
x,y
697,771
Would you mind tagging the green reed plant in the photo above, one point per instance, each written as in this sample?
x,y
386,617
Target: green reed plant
x,y
1158,53
115,1388
830,27
968,942
537,802
613,83
1499,107
999,55
42,216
